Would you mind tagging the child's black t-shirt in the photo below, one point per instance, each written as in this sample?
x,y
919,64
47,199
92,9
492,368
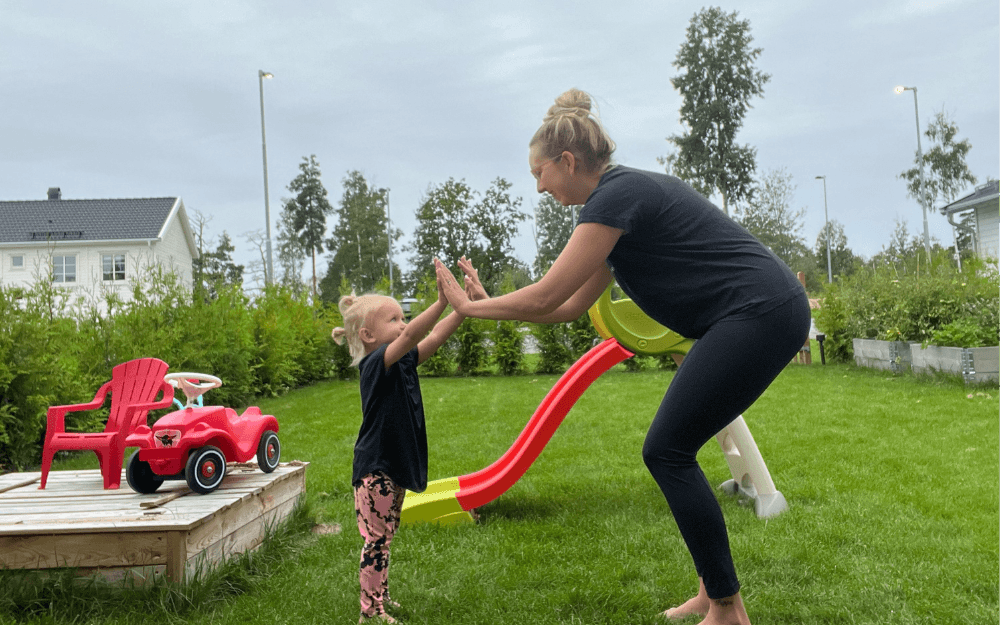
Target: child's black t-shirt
x,y
392,438
681,259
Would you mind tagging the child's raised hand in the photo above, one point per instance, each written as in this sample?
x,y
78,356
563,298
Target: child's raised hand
x,y
440,287
473,287
452,292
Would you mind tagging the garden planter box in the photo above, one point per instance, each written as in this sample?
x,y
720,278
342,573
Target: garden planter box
x,y
975,365
889,355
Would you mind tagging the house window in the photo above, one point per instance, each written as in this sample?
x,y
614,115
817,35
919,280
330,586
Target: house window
x,y
114,266
17,262
64,268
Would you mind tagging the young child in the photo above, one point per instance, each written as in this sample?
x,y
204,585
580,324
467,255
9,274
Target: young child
x,y
390,454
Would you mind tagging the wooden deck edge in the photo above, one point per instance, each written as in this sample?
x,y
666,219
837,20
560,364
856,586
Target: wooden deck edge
x,y
140,554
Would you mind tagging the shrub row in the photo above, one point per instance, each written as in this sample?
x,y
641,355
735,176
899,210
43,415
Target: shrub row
x,y
938,305
54,351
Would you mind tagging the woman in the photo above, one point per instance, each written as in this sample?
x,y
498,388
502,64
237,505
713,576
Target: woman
x,y
692,269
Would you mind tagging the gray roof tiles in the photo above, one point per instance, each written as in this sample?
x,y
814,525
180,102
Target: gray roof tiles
x,y
85,220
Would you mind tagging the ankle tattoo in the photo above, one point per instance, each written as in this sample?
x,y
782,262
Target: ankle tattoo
x,y
723,603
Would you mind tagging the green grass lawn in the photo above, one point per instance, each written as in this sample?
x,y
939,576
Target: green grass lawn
x,y
892,484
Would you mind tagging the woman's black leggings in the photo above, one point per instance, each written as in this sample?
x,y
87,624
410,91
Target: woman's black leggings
x,y
722,375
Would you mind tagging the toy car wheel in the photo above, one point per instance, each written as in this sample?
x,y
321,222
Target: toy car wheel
x,y
205,469
268,452
140,476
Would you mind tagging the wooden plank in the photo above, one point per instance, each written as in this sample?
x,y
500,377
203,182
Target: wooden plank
x,y
252,534
46,551
24,482
139,575
79,518
61,499
162,500
246,538
176,556
220,525
136,575
181,514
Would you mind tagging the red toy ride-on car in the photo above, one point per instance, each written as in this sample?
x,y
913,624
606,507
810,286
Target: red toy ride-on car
x,y
195,442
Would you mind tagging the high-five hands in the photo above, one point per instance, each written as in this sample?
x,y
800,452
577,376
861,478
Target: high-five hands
x,y
473,287
452,290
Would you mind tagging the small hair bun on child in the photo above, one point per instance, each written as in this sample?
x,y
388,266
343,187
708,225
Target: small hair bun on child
x,y
346,302
339,335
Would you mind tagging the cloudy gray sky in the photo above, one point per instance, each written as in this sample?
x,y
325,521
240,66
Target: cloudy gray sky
x,y
145,99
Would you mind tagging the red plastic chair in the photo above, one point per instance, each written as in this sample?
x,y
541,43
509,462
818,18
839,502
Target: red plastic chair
x,y
133,386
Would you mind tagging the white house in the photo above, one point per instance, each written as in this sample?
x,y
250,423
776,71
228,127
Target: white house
x,y
985,201
90,245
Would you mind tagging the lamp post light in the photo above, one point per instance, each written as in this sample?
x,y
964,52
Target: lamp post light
x,y
269,269
922,195
388,228
826,222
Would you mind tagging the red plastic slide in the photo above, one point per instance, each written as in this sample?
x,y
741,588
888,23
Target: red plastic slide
x,y
482,487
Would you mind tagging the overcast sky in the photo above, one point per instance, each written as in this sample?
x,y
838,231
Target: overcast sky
x,y
148,99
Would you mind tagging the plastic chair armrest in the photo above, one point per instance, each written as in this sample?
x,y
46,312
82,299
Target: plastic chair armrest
x,y
56,415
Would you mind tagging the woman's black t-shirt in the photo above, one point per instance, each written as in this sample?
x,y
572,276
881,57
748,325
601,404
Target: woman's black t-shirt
x,y
392,439
681,259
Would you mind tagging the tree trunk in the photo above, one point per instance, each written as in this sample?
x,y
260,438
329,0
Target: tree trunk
x,y
314,273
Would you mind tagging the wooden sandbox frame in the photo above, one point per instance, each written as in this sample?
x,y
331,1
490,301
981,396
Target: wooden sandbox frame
x,y
119,533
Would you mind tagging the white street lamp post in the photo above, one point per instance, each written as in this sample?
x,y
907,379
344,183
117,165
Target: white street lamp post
x,y
922,195
269,269
388,227
826,222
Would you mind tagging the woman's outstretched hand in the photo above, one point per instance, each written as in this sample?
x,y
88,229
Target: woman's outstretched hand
x,y
473,287
451,288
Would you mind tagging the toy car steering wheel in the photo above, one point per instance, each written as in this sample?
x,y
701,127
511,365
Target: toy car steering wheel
x,y
192,390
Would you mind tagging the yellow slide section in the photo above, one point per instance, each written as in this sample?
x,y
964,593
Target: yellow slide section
x,y
635,331
438,504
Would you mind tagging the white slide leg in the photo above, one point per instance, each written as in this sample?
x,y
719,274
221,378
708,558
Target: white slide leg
x,y
751,478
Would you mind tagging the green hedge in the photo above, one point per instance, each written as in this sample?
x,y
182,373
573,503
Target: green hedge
x,y
54,351
937,305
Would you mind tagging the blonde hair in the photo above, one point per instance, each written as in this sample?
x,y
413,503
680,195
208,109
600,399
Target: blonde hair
x,y
354,309
570,126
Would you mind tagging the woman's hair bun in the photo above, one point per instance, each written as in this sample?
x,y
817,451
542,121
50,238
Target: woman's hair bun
x,y
575,103
570,126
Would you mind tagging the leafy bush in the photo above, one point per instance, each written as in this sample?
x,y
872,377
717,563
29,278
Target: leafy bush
x,y
40,366
561,344
439,364
581,335
291,345
959,333
507,337
508,347
471,356
553,347
939,303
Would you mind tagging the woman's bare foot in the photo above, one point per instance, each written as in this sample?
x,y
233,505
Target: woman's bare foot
x,y
694,605
726,611
698,604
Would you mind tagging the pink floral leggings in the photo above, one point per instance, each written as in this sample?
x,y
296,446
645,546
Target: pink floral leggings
x,y
378,502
